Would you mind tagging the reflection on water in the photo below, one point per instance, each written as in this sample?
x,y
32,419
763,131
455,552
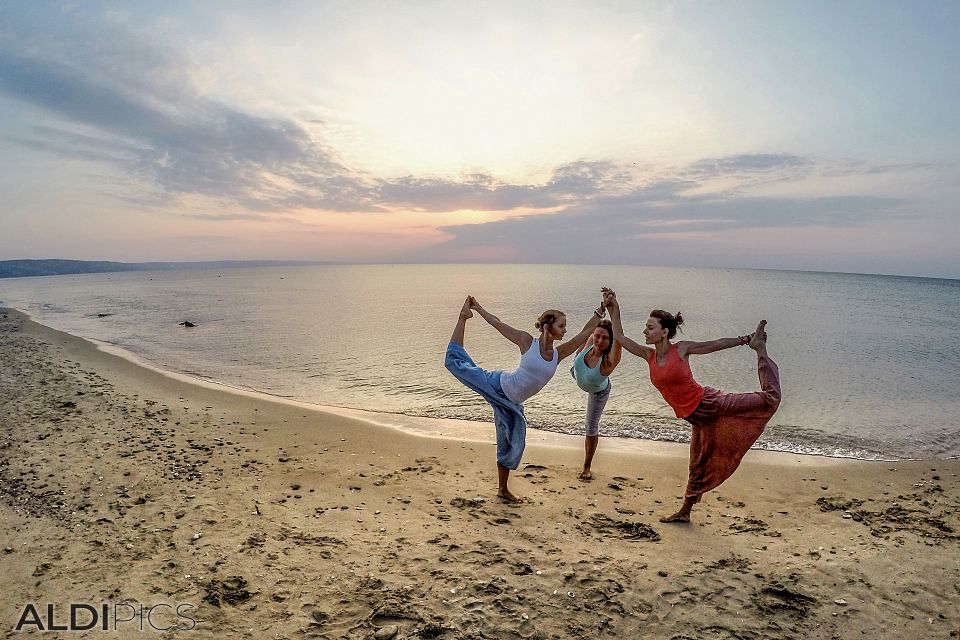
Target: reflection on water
x,y
869,364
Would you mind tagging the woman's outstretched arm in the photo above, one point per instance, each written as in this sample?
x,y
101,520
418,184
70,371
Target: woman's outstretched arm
x,y
689,347
613,306
580,339
588,343
520,338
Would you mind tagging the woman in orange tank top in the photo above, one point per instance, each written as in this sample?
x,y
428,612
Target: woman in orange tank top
x,y
724,425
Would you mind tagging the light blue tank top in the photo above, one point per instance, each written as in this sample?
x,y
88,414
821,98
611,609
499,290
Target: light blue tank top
x,y
588,379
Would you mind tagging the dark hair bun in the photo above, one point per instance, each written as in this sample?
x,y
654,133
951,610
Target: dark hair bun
x,y
668,321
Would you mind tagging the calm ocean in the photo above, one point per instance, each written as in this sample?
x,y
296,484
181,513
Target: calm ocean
x,y
870,365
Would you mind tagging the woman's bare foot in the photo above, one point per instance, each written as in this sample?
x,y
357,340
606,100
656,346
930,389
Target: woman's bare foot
x,y
758,341
506,496
679,516
466,312
683,515
586,475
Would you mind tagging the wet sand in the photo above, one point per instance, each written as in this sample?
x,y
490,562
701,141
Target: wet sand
x,y
119,484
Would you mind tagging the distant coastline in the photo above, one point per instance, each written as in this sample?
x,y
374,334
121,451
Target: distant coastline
x,y
58,267
30,268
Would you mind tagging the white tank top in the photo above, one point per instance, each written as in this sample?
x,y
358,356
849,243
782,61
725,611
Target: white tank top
x,y
532,375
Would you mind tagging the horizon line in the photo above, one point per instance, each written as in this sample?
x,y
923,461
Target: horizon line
x,y
274,262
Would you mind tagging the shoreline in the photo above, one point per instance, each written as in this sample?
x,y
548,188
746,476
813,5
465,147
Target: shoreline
x,y
472,430
122,484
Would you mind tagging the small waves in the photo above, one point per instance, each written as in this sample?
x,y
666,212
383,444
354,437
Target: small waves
x,y
860,391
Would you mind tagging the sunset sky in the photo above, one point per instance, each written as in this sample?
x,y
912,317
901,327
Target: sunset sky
x,y
790,135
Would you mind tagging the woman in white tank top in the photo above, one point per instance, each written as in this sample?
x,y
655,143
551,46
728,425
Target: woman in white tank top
x,y
506,391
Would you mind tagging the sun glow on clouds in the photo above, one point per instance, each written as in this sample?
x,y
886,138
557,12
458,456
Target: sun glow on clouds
x,y
470,86
394,236
393,230
474,131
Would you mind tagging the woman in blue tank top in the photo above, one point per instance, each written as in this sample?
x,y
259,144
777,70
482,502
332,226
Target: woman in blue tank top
x,y
507,390
592,367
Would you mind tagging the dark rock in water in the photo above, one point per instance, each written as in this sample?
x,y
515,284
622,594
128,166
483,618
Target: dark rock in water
x,y
187,323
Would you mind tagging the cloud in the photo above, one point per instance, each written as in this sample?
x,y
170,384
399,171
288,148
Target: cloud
x,y
204,239
477,191
70,144
615,229
231,217
137,109
179,142
859,168
738,174
121,102
585,178
570,183
748,163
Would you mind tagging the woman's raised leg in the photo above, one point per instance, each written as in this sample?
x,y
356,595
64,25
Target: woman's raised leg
x,y
718,446
766,368
465,314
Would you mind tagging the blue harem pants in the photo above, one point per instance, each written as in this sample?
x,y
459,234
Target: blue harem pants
x,y
511,424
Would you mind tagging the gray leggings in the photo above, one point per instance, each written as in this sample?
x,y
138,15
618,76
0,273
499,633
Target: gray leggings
x,y
595,404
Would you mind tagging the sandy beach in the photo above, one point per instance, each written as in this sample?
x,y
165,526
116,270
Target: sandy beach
x,y
267,519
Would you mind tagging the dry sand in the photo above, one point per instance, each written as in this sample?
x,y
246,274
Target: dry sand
x,y
119,484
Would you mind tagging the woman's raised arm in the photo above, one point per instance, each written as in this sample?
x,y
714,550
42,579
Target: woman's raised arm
x,y
580,339
520,338
615,353
613,306
689,347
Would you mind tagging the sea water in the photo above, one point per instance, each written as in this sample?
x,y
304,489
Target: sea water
x,y
870,365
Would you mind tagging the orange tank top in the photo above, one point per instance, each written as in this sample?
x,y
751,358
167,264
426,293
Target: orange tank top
x,y
675,382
